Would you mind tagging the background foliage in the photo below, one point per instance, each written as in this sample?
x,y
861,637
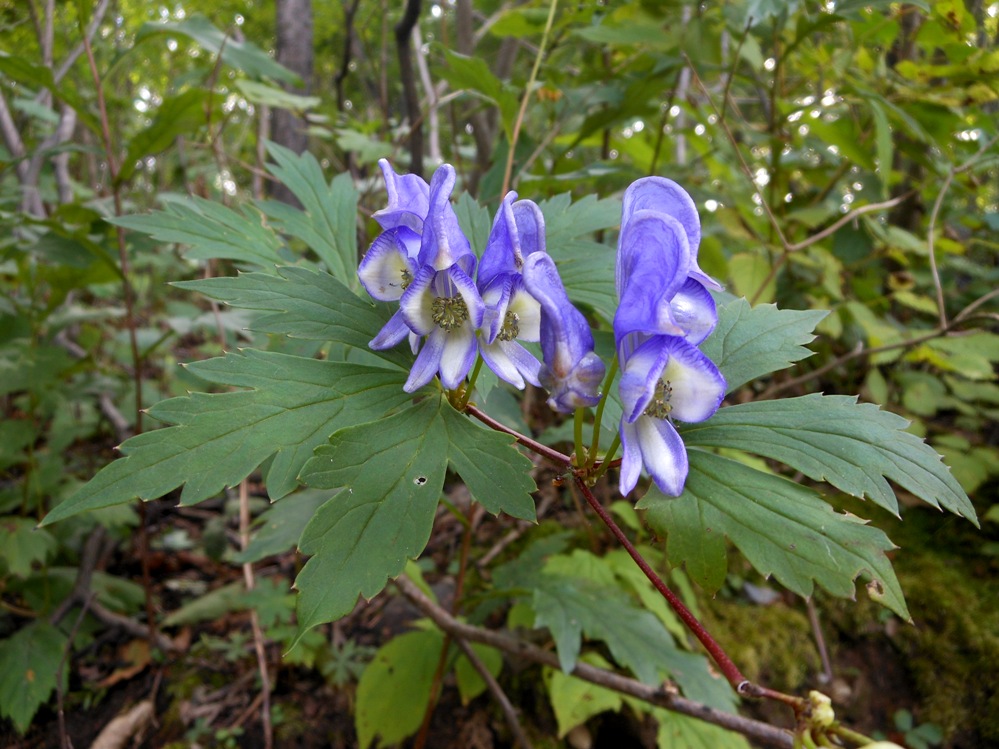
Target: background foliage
x,y
843,157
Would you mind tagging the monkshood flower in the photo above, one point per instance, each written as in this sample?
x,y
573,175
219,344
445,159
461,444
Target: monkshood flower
x,y
512,313
424,261
442,302
390,264
665,311
572,372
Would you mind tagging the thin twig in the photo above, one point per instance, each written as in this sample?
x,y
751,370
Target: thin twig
x,y
660,695
259,645
553,455
130,322
820,640
518,123
509,712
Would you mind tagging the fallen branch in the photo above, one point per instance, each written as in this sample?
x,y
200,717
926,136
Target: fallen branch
x,y
660,696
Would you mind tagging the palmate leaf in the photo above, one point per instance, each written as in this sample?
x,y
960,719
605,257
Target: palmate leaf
x,y
211,231
294,405
784,530
29,665
749,342
392,473
853,446
586,266
305,304
329,222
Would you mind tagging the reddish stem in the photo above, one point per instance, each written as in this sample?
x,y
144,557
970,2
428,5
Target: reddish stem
x,y
720,657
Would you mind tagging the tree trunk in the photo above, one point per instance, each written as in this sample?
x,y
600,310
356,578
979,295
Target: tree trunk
x,y
294,51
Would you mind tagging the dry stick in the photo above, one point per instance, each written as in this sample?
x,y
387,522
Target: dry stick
x,y
660,696
133,340
258,635
507,172
820,640
934,215
435,685
509,712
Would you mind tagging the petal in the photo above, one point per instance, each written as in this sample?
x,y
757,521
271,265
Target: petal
x,y
408,200
386,266
527,309
416,303
653,261
391,334
663,454
458,354
631,458
428,361
502,253
580,388
639,375
694,310
497,301
444,244
697,386
458,281
572,373
530,228
666,196
511,362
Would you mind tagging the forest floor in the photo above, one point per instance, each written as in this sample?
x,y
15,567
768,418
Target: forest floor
x,y
924,684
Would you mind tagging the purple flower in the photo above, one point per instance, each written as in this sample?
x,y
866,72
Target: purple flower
x,y
512,314
666,196
424,261
665,311
663,378
442,302
572,372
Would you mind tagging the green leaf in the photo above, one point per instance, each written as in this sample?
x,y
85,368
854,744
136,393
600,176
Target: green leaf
x,y
275,97
575,701
585,266
182,114
570,605
329,223
294,404
750,342
475,222
470,683
394,689
22,70
853,446
884,142
211,231
749,271
678,730
496,473
392,472
304,304
22,545
210,606
784,530
280,527
29,662
472,73
245,56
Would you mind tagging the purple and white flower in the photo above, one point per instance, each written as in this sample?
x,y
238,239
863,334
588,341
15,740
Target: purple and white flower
x,y
572,372
665,311
512,313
